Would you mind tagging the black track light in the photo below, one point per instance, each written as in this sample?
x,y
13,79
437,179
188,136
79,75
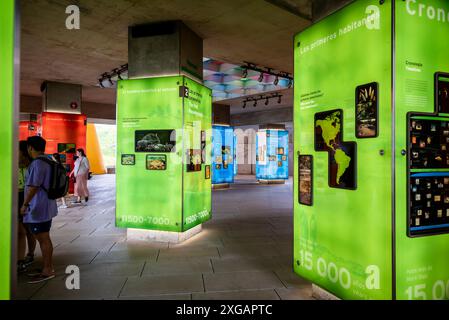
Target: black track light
x,y
245,73
290,83
276,81
260,77
244,104
280,99
267,102
100,81
255,103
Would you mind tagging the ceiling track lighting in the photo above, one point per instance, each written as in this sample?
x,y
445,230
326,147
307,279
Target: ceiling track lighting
x,y
262,97
267,71
105,80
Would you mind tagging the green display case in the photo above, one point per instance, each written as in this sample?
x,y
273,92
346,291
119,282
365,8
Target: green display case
x,y
163,154
371,200
8,142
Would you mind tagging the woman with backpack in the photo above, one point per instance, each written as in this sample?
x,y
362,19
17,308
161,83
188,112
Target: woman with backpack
x,y
81,174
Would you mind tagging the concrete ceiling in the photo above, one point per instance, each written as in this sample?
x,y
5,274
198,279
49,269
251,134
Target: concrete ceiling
x,y
258,31
233,31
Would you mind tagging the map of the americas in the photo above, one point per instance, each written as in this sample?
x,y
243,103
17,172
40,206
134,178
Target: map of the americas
x,y
330,128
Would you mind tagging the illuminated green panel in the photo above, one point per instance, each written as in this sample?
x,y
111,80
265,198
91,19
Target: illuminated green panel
x,y
148,110
345,236
422,263
6,141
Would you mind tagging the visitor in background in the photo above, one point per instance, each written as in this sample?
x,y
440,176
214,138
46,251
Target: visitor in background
x,y
37,208
25,236
81,174
57,158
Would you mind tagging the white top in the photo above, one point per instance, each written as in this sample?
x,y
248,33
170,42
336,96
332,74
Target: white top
x,y
82,166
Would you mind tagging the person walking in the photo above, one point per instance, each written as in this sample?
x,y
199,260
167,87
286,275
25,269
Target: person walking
x,y
57,157
37,208
25,236
81,174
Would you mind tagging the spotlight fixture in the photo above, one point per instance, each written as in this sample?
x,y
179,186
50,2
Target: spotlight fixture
x,y
105,80
267,101
245,73
268,71
290,83
244,104
255,103
280,99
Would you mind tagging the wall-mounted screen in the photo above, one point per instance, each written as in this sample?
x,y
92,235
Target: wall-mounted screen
x,y
156,162
305,180
366,111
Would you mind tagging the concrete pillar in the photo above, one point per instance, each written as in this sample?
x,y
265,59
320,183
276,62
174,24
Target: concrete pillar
x,y
61,97
164,49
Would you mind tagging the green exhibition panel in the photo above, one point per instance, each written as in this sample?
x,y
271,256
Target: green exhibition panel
x,y
163,154
6,141
371,201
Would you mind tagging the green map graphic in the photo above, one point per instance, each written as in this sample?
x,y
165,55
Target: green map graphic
x,y
330,128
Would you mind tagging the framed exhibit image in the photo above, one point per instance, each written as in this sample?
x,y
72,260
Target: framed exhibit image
x,y
328,126
442,94
280,151
367,110
156,162
193,160
305,182
66,148
343,166
128,159
155,141
342,155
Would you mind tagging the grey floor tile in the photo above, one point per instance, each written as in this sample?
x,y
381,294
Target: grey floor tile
x,y
161,285
291,279
295,294
181,266
127,255
243,264
237,295
128,269
95,288
186,296
236,281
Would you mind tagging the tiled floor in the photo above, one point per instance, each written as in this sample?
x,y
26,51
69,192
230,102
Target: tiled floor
x,y
245,252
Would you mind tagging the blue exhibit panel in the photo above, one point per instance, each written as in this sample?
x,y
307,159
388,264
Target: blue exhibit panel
x,y
222,154
272,155
235,155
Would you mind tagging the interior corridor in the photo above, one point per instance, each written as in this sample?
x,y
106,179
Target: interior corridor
x,y
244,252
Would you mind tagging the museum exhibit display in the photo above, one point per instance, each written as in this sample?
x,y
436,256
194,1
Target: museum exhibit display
x,y
28,129
223,154
271,155
8,107
235,156
163,170
64,134
371,117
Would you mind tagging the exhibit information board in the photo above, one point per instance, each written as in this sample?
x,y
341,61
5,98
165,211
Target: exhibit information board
x,y
7,139
422,128
223,154
163,154
272,155
342,118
